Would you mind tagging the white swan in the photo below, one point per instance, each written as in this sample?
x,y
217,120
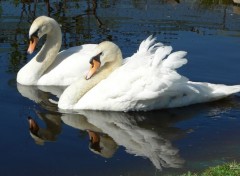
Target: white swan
x,y
49,67
147,81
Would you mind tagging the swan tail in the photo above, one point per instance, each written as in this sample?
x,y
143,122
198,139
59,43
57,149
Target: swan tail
x,y
225,90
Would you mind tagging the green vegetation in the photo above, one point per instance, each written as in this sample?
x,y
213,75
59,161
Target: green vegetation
x,y
229,169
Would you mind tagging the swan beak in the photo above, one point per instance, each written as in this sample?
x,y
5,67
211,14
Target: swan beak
x,y
33,126
94,141
94,137
95,64
32,44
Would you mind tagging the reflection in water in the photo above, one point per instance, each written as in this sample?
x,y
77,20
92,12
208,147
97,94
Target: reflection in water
x,y
94,141
108,130
236,7
41,95
145,134
236,1
53,128
102,144
124,130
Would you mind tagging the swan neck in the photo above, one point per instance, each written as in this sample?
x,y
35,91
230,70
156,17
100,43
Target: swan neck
x,y
106,70
49,50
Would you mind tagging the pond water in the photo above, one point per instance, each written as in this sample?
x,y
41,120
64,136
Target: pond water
x,y
162,142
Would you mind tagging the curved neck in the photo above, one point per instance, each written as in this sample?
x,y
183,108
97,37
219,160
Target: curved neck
x,y
50,49
78,89
31,72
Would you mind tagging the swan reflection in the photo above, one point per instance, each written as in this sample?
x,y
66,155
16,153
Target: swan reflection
x,y
133,132
139,134
145,134
41,95
50,133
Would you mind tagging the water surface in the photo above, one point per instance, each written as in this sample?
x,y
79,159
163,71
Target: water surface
x,y
151,143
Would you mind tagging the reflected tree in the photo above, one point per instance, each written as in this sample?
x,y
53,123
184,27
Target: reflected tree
x,y
17,56
0,9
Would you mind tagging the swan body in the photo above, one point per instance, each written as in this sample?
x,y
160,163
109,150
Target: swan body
x,y
147,81
49,67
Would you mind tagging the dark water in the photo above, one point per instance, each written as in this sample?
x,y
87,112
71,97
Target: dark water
x,y
153,143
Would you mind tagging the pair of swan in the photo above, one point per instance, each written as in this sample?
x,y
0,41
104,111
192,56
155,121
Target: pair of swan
x,y
147,80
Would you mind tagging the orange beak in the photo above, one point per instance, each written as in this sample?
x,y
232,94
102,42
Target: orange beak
x,y
32,44
94,66
94,141
94,137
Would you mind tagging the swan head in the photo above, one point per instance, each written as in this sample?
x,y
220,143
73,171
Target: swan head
x,y
94,141
34,131
105,52
40,26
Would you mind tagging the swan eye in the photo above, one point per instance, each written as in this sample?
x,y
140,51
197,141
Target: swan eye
x,y
31,40
35,34
96,58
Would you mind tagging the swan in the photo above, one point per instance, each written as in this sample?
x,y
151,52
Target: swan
x,y
49,67
147,81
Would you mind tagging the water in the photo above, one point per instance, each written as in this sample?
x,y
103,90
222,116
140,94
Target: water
x,y
153,143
